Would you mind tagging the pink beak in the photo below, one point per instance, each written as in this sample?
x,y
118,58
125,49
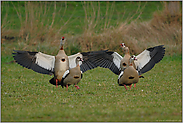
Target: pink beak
x,y
81,59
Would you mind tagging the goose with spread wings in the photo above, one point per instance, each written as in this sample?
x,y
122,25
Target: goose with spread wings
x,y
145,60
130,75
72,76
57,65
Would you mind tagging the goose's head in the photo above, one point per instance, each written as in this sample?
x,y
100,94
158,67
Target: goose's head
x,y
124,48
78,59
122,45
132,58
62,41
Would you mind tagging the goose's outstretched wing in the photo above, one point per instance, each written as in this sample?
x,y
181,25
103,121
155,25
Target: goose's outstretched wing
x,y
93,59
148,58
37,61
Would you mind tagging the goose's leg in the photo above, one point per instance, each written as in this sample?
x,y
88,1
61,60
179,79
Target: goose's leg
x,y
56,82
77,87
125,87
134,85
66,87
130,86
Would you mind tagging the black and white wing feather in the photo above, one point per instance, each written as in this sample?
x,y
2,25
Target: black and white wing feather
x,y
148,58
93,59
88,60
110,60
72,60
37,61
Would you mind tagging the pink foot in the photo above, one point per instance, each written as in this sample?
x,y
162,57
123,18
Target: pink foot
x,y
130,86
125,87
56,82
134,85
66,87
77,87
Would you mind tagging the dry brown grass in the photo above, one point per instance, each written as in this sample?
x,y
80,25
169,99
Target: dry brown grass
x,y
164,29
35,26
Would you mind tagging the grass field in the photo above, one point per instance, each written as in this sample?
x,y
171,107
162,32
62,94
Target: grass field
x,y
28,96
38,26
15,15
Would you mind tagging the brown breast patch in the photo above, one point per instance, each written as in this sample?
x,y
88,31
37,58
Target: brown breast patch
x,y
76,77
62,60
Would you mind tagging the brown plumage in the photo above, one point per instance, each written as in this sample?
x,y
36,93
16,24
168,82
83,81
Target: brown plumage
x,y
61,65
130,75
125,61
72,76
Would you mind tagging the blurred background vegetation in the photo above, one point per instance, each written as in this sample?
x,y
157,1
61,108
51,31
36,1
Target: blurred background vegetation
x,y
38,26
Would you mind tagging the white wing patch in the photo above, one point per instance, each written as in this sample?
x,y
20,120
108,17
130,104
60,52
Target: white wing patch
x,y
72,60
120,74
66,73
142,59
117,59
45,61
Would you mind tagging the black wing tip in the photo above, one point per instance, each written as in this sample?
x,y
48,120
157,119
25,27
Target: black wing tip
x,y
102,58
24,58
18,51
159,47
157,53
22,51
15,52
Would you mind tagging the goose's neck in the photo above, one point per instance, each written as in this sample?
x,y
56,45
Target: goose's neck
x,y
61,47
127,53
77,63
126,49
62,44
130,62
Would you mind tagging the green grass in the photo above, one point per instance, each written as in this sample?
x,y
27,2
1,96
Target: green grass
x,y
28,96
117,12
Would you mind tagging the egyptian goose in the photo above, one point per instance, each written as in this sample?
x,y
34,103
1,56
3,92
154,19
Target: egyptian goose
x,y
43,63
125,60
57,65
61,64
130,75
145,60
72,76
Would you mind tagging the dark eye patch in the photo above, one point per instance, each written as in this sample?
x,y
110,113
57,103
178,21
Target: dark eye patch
x,y
124,64
62,60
